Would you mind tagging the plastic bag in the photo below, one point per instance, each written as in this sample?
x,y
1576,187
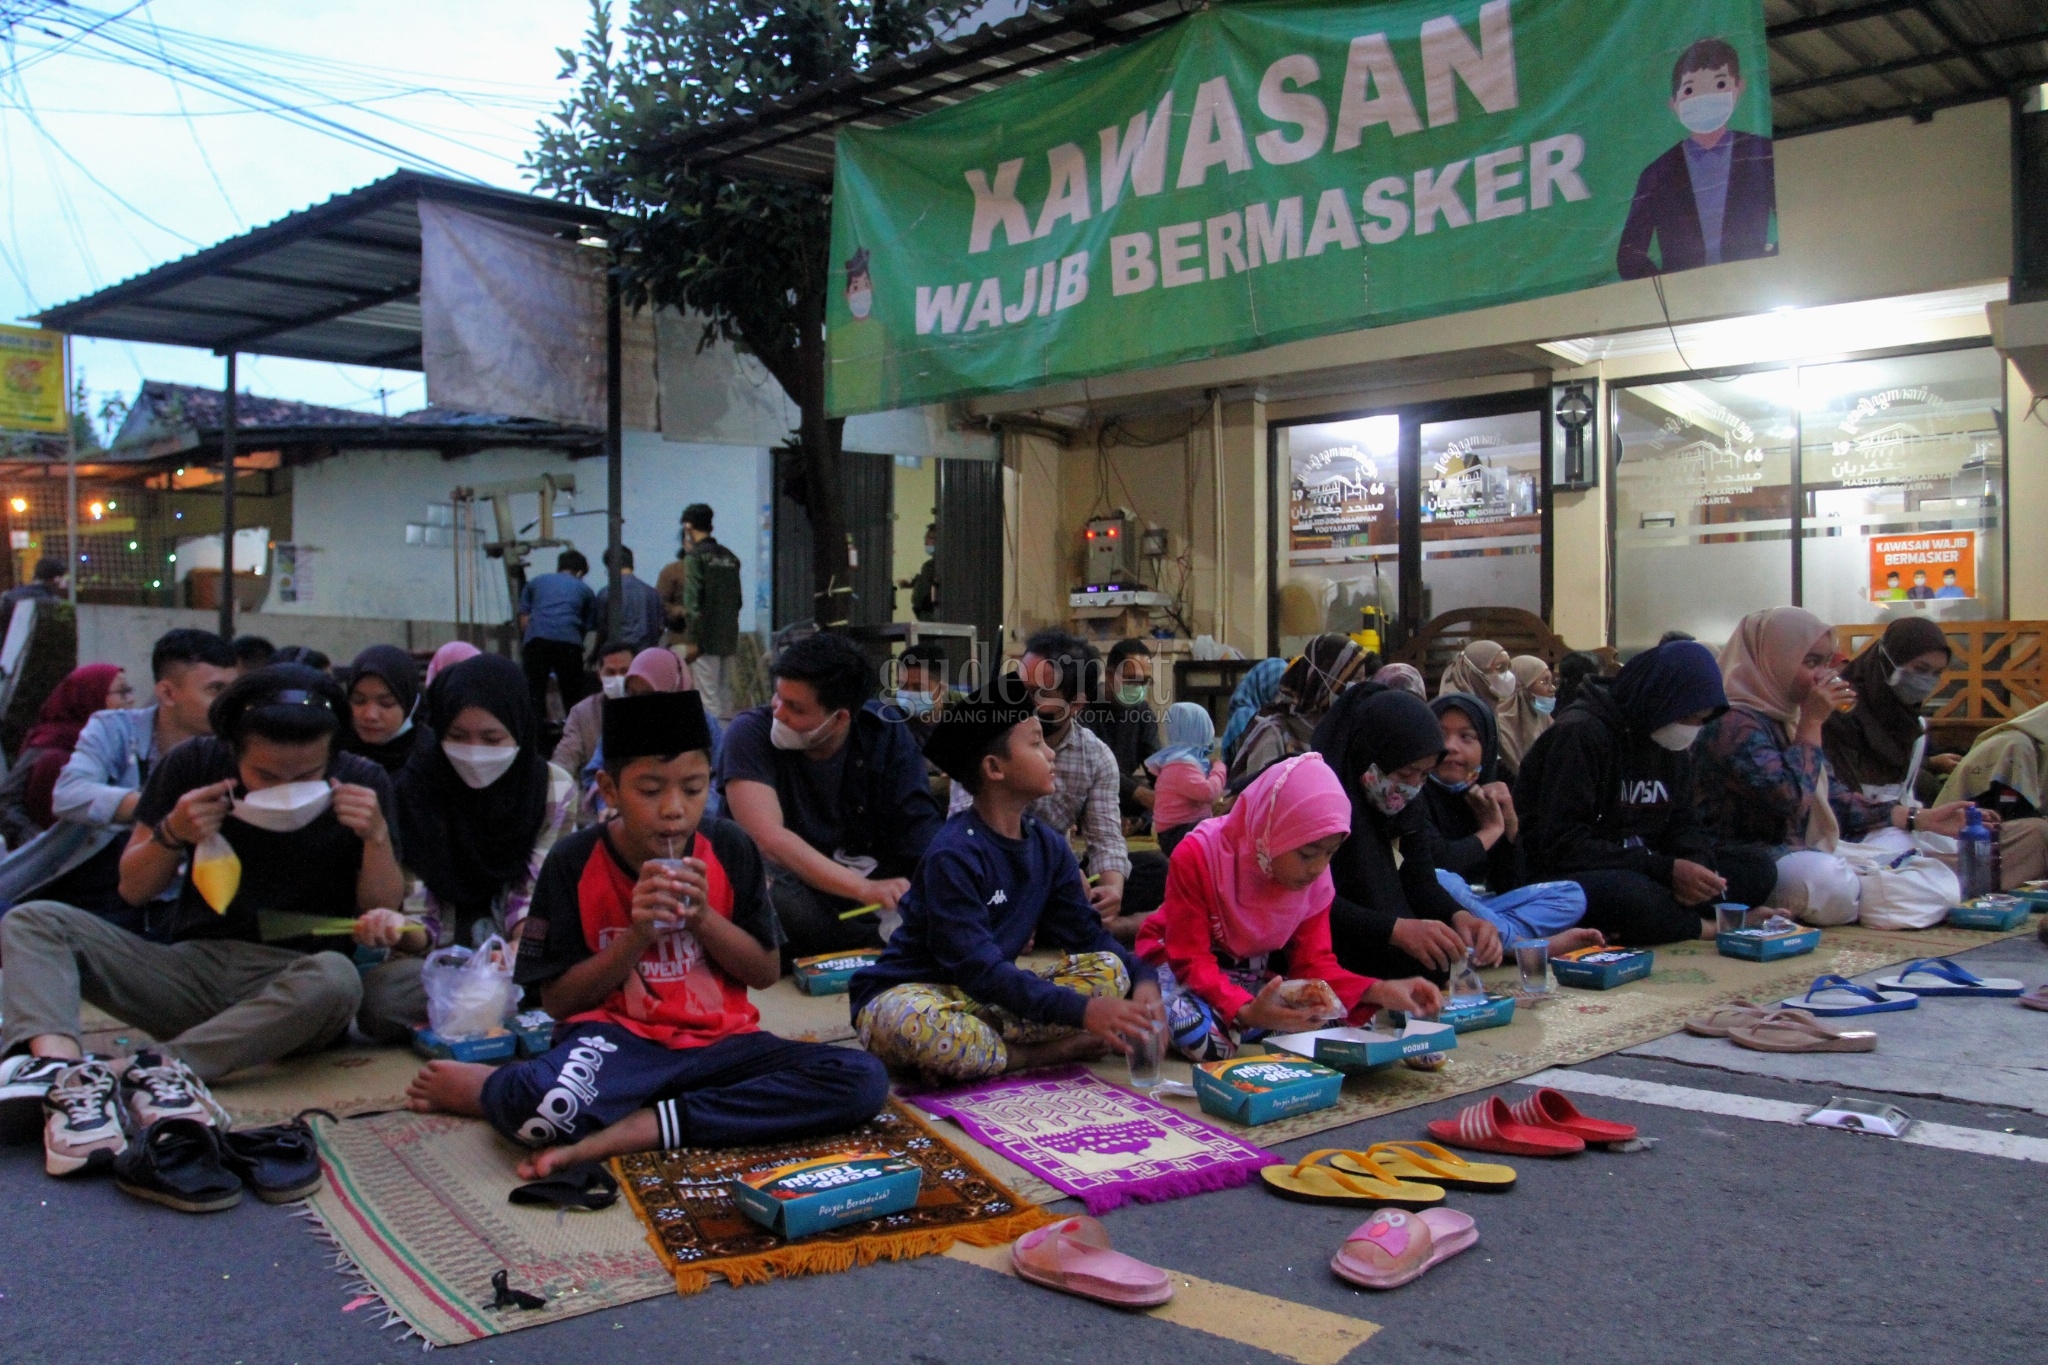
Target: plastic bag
x,y
216,872
469,991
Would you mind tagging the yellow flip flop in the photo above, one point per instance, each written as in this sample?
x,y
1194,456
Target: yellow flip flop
x,y
1363,1182
1425,1161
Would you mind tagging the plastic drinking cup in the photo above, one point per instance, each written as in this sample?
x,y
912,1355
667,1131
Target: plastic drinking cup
x,y
1532,957
674,867
1729,917
1147,1051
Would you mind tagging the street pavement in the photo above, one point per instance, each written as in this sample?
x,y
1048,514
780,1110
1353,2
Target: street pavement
x,y
1729,1240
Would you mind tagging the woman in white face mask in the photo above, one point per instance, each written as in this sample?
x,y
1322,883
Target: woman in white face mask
x,y
1526,713
478,812
1606,797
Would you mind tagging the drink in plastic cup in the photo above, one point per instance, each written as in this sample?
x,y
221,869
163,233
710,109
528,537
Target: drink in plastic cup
x,y
1532,956
674,867
1729,917
1147,1051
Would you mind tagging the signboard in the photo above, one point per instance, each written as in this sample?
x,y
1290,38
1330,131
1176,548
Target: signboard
x,y
31,380
1936,566
1267,171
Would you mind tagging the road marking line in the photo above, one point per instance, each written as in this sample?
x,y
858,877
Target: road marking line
x,y
1948,1137
1309,1336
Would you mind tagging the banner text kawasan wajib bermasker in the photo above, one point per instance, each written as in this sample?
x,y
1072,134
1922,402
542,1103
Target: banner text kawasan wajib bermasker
x,y
1265,172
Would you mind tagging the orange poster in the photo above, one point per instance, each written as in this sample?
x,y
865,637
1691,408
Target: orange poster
x,y
1939,565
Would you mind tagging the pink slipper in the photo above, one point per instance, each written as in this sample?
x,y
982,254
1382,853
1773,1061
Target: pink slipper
x,y
1395,1246
2037,998
1549,1108
1488,1126
1074,1257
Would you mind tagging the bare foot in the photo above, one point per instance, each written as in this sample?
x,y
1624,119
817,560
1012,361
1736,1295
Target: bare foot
x,y
1077,1047
449,1088
1571,940
546,1162
639,1131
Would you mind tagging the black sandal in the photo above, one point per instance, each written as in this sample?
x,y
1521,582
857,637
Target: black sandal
x,y
585,1185
177,1163
281,1163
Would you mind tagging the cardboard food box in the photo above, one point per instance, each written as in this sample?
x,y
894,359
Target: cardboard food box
x,y
1991,912
1758,946
1496,1011
827,1192
535,1030
1353,1050
1602,969
2035,894
832,973
1260,1089
498,1045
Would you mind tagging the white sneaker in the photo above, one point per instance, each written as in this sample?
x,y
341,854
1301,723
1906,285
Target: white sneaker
x,y
83,1129
155,1087
24,1080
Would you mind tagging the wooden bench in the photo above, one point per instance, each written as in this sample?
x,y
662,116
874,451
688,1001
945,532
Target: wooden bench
x,y
2000,670
1445,638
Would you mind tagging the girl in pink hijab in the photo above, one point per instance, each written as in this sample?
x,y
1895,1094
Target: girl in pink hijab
x,y
1245,926
658,670
447,656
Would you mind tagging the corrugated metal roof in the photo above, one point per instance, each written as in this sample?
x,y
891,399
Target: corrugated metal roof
x,y
1831,65
338,281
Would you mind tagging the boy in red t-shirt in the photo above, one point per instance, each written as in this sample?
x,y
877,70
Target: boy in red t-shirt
x,y
647,967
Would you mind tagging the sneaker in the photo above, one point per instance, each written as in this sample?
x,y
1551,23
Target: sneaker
x,y
83,1130
24,1080
177,1163
157,1087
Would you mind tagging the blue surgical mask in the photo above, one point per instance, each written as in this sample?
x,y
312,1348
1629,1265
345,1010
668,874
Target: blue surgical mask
x,y
916,703
1451,786
1543,706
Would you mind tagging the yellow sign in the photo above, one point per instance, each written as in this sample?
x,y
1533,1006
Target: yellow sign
x,y
31,380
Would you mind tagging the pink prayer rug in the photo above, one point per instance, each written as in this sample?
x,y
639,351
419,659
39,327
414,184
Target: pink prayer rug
x,y
1105,1145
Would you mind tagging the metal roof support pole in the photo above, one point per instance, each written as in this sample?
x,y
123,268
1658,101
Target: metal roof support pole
x,y
70,479
614,452
227,505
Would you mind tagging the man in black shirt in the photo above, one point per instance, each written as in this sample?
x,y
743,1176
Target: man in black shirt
x,y
242,985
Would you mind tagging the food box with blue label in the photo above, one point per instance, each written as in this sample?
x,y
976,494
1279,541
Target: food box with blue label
x,y
1602,969
1261,1089
1467,1015
535,1030
827,1192
1991,912
496,1046
1353,1050
1758,946
2035,894
832,973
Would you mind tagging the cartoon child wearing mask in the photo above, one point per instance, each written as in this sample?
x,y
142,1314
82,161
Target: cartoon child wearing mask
x,y
1710,198
860,347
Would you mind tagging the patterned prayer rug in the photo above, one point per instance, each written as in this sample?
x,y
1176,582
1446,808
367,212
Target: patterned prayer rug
x,y
1104,1144
698,1232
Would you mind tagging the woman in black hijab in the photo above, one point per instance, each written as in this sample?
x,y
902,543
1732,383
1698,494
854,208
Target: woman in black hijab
x,y
1470,810
1392,920
383,686
478,811
1870,748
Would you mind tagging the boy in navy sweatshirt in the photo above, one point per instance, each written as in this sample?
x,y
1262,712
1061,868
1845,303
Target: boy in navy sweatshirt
x,y
947,998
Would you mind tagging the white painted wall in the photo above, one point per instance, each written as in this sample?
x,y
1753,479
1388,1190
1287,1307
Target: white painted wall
x,y
125,635
353,510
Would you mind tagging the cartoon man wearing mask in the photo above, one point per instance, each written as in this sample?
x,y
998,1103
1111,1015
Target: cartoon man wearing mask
x,y
1710,198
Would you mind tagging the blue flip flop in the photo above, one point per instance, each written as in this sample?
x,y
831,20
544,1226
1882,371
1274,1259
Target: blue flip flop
x,y
1833,997
1939,976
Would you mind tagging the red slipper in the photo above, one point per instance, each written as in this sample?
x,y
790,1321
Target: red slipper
x,y
1488,1126
1549,1108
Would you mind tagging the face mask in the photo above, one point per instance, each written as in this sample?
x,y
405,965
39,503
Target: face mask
x,y
930,549
1451,786
1707,113
1675,737
284,809
1501,684
1132,695
1389,796
916,703
860,302
789,737
613,687
1913,688
479,765
1543,706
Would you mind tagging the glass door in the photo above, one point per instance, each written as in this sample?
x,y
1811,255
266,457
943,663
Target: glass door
x,y
1341,551
1481,512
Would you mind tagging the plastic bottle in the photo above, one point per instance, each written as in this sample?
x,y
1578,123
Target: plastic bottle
x,y
1976,861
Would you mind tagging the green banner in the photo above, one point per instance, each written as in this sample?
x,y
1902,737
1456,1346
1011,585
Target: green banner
x,y
1279,169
